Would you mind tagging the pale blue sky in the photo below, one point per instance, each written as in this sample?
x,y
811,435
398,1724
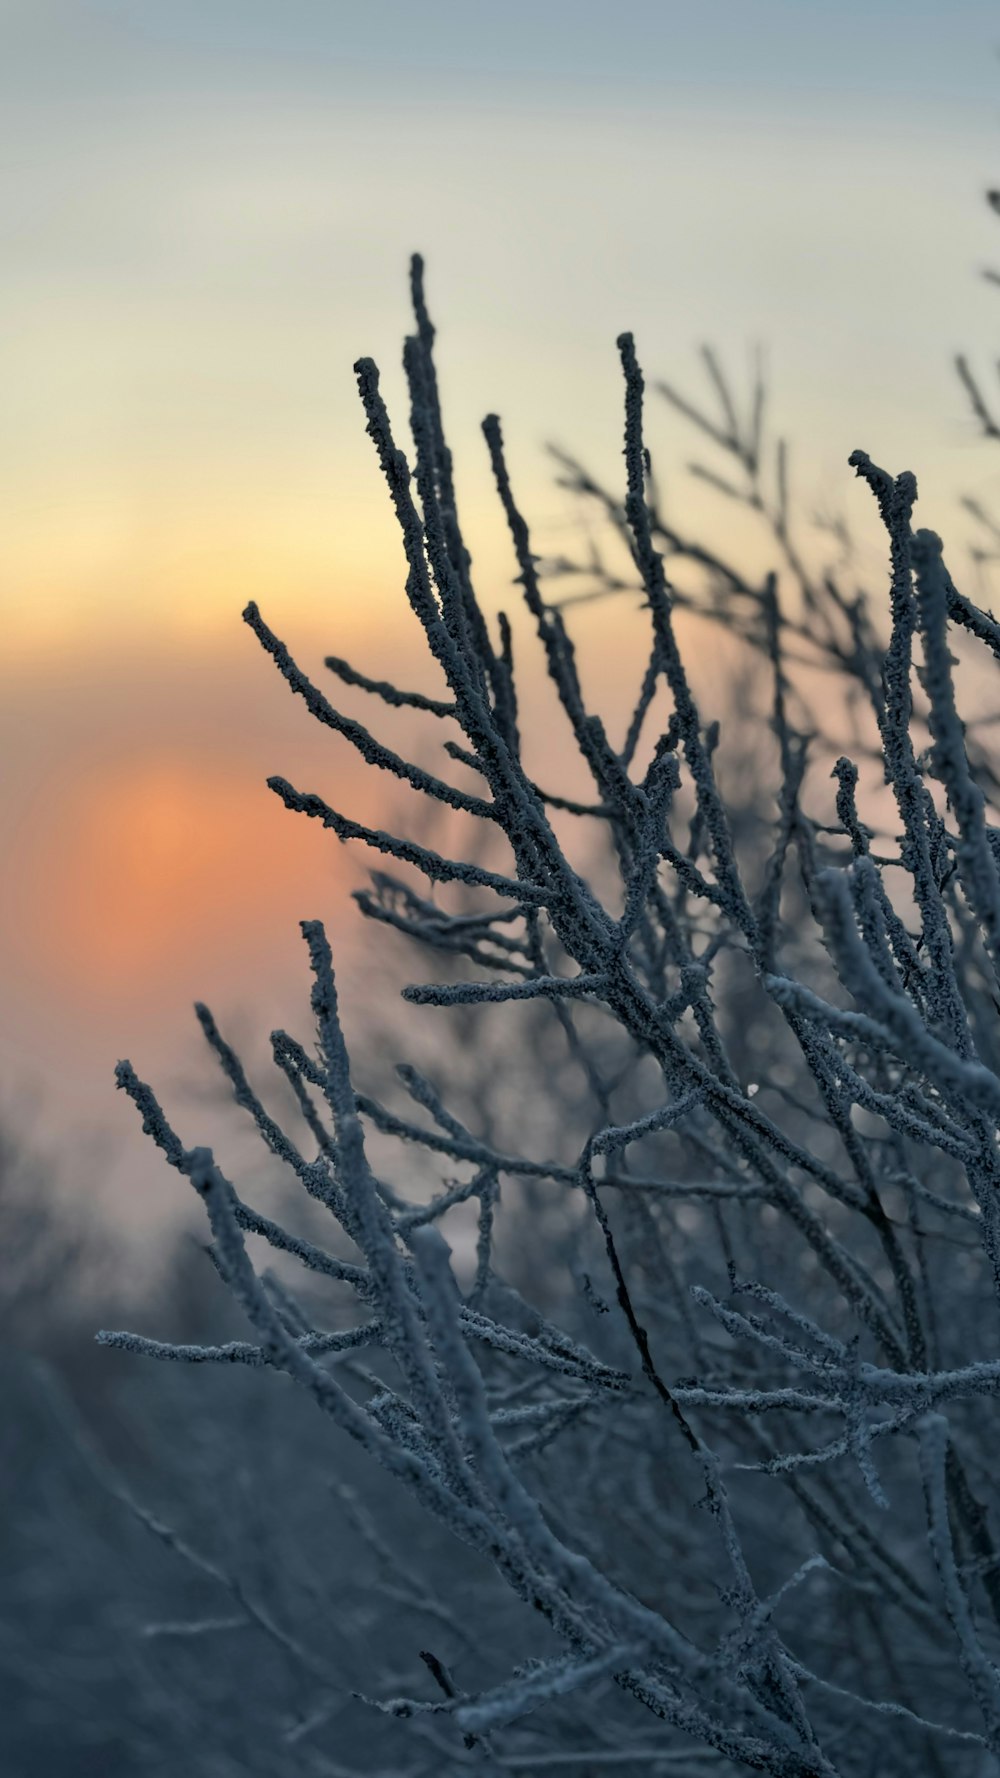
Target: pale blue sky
x,y
797,47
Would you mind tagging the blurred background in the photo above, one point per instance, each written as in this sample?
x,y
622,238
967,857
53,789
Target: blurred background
x,y
207,212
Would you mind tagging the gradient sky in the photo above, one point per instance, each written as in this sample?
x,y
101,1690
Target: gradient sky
x,y
207,208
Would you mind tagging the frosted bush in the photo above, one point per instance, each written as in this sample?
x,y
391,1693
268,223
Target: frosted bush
x,y
734,1459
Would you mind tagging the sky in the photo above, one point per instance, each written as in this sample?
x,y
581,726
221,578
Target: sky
x,y
206,210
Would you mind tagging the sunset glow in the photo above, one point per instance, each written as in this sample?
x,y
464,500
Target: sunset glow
x,y
204,231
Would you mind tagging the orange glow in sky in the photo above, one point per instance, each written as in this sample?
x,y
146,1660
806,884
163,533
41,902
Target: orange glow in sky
x,y
153,867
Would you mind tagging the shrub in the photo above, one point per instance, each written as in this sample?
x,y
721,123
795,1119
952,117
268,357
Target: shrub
x,y
732,1455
